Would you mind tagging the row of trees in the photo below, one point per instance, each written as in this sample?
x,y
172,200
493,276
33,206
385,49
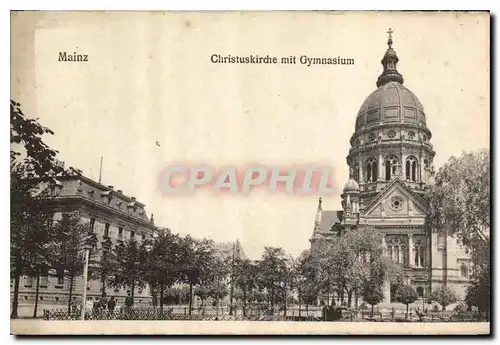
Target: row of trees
x,y
351,265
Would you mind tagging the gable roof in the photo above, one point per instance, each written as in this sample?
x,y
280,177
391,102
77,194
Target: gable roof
x,y
395,182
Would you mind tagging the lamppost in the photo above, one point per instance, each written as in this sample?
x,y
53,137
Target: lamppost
x,y
90,243
106,247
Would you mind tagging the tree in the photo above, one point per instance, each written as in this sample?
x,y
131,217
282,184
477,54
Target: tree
x,y
163,262
307,278
459,205
197,262
245,278
27,146
72,234
407,296
372,294
202,292
272,270
354,257
478,292
444,296
131,266
107,265
31,162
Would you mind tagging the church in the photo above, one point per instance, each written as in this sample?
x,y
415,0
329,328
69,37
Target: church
x,y
390,165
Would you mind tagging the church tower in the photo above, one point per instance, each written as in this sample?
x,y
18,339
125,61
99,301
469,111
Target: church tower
x,y
391,138
390,164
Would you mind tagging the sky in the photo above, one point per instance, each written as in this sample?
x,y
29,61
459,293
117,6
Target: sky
x,y
149,81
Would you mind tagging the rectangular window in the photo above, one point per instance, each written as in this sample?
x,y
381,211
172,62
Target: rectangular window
x,y
143,237
106,230
132,235
92,224
28,281
120,232
60,280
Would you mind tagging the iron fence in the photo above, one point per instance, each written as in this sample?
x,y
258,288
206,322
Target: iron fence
x,y
180,312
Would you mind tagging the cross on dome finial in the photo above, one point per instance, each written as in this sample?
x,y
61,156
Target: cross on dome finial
x,y
389,41
389,62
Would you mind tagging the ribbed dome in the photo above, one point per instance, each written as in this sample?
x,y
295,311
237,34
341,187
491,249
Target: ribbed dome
x,y
351,185
390,103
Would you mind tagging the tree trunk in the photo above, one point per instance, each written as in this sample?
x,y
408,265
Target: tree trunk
x,y
37,292
349,298
161,297
71,292
372,312
244,301
284,301
272,299
103,285
132,293
356,299
300,297
15,300
407,307
190,297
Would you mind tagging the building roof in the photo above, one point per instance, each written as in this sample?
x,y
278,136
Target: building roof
x,y
226,249
328,219
390,103
79,187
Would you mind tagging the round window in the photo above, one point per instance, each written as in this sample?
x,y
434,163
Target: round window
x,y
391,134
396,203
371,136
411,134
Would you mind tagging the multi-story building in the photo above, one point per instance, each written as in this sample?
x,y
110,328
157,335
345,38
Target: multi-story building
x,y
391,163
114,218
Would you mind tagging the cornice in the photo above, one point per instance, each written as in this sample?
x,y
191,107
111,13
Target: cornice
x,y
62,201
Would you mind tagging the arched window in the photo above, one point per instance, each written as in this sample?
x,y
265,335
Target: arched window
x,y
391,167
420,291
419,255
411,168
355,172
371,170
397,251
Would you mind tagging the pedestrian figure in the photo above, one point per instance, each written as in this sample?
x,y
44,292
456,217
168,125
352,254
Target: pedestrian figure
x,y
103,305
96,307
89,304
74,305
111,305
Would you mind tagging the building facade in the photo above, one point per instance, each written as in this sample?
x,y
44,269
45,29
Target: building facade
x,y
390,165
114,218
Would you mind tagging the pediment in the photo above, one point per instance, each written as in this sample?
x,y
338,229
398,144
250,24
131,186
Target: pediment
x,y
396,200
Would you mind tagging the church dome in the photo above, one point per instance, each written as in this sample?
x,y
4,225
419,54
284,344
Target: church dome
x,y
351,186
390,103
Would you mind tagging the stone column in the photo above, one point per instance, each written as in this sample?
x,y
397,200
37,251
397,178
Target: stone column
x,y
384,245
421,168
401,255
360,171
380,167
410,251
403,166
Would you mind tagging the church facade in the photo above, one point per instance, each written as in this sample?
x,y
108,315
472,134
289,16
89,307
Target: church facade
x,y
391,164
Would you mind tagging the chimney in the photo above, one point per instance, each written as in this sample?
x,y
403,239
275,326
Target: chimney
x,y
133,198
120,191
110,187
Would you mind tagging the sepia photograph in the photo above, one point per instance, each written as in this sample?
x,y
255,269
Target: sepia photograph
x,y
326,172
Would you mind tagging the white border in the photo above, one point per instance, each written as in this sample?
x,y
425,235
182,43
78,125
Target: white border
x,y
144,5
